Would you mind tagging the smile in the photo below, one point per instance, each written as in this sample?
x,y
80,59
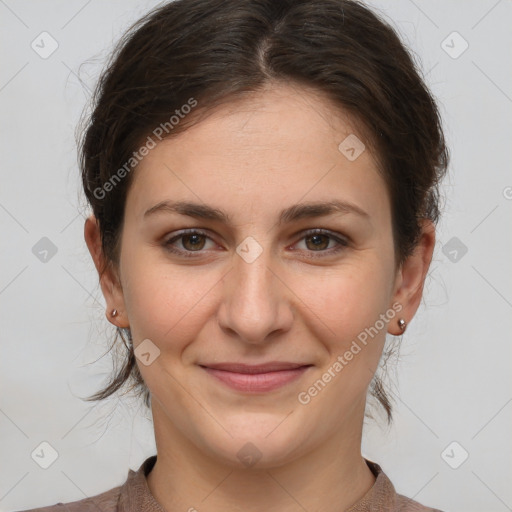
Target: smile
x,y
254,380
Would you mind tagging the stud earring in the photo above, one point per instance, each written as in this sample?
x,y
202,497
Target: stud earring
x,y
402,324
114,312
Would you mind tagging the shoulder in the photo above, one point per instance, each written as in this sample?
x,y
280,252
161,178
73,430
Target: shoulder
x,y
384,498
404,504
132,496
104,502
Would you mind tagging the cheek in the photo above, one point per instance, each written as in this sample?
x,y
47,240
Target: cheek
x,y
350,304
163,299
167,307
349,299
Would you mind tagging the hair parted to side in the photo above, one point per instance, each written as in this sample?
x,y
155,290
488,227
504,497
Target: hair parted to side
x,y
213,51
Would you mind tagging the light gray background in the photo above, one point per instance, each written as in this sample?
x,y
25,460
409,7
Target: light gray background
x,y
453,382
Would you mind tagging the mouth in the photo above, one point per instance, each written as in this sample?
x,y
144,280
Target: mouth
x,y
256,378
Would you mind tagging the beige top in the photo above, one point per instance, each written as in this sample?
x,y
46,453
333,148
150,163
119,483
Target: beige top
x,y
134,496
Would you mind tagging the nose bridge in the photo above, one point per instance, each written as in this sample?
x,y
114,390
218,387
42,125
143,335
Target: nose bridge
x,y
253,305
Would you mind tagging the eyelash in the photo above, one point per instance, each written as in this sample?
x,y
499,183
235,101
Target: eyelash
x,y
342,243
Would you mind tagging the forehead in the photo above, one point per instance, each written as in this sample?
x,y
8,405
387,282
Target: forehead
x,y
277,146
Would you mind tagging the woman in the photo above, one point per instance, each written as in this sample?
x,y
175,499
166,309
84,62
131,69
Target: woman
x,y
263,180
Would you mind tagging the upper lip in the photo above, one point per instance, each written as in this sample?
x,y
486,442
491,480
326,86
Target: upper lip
x,y
273,366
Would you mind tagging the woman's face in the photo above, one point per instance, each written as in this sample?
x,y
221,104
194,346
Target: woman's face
x,y
254,283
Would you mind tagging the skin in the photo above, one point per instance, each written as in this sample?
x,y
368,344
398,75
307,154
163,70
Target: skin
x,y
252,158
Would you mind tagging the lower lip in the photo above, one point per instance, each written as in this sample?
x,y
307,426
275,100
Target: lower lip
x,y
257,382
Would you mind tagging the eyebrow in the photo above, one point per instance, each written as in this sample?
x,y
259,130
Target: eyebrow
x,y
288,215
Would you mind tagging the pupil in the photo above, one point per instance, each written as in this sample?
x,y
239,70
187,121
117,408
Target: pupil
x,y
317,240
195,239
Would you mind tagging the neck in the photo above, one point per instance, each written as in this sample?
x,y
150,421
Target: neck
x,y
331,478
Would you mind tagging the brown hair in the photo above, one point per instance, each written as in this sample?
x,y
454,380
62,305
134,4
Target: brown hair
x,y
210,51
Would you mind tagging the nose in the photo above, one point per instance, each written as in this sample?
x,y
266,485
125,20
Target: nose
x,y
256,302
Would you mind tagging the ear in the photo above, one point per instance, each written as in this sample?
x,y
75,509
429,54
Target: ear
x,y
109,279
410,277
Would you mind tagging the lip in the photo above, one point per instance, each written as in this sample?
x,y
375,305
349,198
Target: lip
x,y
256,378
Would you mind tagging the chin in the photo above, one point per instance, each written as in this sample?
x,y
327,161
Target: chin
x,y
262,444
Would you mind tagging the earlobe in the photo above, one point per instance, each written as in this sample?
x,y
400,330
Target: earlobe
x,y
398,326
411,276
109,282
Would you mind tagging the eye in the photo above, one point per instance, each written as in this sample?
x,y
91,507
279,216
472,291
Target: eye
x,y
192,240
315,241
318,241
